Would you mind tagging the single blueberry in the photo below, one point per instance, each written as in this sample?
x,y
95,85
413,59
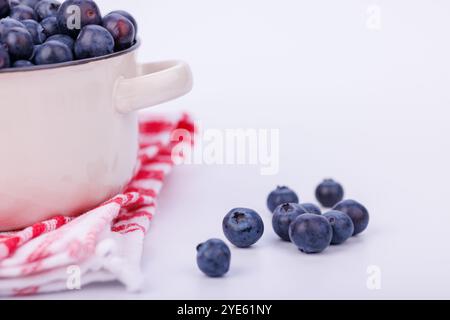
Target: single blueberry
x,y
129,17
29,3
8,23
36,31
93,41
22,64
4,8
19,43
121,29
50,26
5,61
243,227
311,233
329,192
89,14
283,215
53,52
311,208
357,212
47,8
22,12
67,40
279,196
213,257
342,226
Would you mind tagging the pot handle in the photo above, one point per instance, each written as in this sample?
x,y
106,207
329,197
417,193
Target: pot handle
x,y
157,82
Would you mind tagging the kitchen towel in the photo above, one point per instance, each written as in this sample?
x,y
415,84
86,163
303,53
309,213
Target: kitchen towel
x,y
106,243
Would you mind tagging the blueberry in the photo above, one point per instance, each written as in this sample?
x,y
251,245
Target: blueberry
x,y
311,208
329,192
50,26
22,12
68,41
129,17
243,227
121,29
90,14
357,212
311,233
22,64
47,8
5,61
36,31
8,23
279,196
19,43
93,41
53,52
342,226
4,8
213,257
283,216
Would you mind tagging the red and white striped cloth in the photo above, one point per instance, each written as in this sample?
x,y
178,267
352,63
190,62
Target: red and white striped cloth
x,y
104,244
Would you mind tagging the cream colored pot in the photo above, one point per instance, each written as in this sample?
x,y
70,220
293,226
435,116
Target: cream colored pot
x,y
68,134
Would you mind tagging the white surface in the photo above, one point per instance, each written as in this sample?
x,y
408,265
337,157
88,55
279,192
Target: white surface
x,y
369,108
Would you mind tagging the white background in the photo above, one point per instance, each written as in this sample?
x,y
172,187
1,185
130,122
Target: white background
x,y
367,107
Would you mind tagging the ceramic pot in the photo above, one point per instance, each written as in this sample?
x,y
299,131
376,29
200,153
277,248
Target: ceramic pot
x,y
69,132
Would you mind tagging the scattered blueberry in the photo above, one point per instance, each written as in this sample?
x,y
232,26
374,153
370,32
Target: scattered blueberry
x,y
329,192
90,15
311,208
357,212
311,233
36,31
283,215
53,52
50,26
4,58
19,43
243,227
47,8
22,64
213,257
122,30
68,41
342,226
4,8
93,41
279,196
129,17
22,12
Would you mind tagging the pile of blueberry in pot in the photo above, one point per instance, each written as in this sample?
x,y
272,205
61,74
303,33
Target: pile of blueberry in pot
x,y
303,224
42,32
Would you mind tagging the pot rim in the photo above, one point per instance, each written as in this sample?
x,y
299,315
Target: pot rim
x,y
135,46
